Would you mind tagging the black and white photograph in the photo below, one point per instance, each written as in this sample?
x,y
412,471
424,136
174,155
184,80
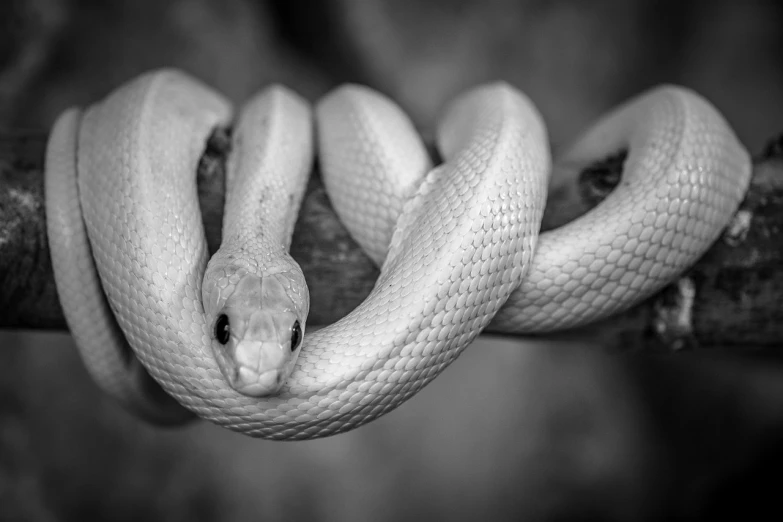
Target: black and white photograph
x,y
377,260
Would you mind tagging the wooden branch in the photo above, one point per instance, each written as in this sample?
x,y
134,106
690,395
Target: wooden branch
x,y
730,298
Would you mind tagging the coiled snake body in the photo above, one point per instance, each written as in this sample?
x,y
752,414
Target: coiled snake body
x,y
456,243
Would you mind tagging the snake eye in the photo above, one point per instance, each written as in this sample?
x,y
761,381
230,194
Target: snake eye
x,y
296,336
222,329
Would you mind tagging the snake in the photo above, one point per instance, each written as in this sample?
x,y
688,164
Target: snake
x,y
173,333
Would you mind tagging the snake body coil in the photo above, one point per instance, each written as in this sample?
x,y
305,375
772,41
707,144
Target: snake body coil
x,y
455,243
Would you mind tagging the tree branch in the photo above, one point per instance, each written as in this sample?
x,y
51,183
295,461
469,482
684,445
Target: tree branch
x,y
730,298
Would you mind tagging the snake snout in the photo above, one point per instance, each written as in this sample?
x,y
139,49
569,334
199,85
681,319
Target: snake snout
x,y
259,367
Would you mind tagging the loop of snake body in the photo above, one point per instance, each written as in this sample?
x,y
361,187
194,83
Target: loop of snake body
x,y
457,243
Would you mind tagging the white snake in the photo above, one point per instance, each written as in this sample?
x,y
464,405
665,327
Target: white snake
x,y
456,243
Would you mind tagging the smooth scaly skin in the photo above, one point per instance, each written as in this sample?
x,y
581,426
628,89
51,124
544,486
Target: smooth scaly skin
x,y
144,142
104,351
462,245
683,179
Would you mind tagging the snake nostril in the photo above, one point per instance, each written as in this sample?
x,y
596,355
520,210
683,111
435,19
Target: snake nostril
x,y
222,329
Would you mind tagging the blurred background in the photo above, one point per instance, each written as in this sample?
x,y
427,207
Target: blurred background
x,y
515,429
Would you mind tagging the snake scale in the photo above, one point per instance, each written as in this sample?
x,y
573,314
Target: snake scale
x,y
458,243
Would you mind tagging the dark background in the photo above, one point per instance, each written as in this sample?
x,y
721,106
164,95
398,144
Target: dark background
x,y
514,429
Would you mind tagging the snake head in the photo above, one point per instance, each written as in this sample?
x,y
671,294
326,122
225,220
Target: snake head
x,y
258,333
